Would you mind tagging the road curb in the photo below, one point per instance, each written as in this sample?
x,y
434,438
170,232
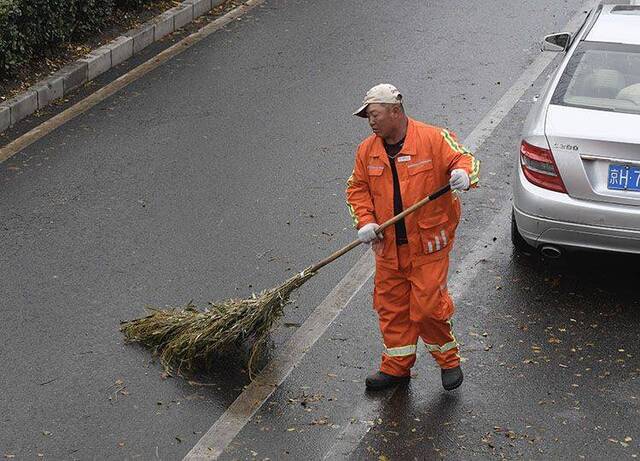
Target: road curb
x,y
100,60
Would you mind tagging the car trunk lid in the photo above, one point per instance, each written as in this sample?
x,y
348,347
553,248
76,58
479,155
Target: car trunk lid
x,y
585,143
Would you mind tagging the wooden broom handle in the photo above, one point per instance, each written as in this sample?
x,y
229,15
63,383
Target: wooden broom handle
x,y
382,227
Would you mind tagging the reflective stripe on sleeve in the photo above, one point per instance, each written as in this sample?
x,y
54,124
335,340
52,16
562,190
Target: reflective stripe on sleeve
x,y
352,212
400,351
455,145
437,244
474,177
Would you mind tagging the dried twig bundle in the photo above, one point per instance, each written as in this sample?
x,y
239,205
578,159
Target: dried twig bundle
x,y
187,337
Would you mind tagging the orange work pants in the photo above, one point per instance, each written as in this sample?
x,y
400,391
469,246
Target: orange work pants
x,y
412,302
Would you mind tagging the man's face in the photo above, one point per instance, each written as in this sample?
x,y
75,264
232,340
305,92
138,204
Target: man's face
x,y
382,119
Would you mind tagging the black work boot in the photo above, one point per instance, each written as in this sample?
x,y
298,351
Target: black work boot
x,y
380,380
451,378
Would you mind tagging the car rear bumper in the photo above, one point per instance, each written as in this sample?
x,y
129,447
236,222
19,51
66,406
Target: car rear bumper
x,y
552,218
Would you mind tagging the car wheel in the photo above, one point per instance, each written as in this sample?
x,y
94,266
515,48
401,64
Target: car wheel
x,y
519,243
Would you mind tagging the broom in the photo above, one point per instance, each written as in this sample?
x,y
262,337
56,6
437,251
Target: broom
x,y
186,338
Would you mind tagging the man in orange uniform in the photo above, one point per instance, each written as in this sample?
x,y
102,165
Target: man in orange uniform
x,y
402,162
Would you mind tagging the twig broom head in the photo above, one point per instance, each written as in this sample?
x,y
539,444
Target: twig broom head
x,y
185,338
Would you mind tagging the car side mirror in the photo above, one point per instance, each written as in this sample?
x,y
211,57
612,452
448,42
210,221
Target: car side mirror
x,y
557,42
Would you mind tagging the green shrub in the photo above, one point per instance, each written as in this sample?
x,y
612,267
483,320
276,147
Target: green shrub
x,y
130,4
13,49
91,15
32,28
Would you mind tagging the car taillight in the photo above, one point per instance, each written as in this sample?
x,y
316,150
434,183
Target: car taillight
x,y
539,167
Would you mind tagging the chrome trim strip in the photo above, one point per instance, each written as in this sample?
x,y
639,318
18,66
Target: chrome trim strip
x,y
610,159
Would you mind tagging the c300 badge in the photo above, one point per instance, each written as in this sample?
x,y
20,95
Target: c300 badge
x,y
572,147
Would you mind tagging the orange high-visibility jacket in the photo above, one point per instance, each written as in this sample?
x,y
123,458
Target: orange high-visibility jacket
x,y
424,164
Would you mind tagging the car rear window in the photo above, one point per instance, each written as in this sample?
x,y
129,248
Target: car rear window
x,y
604,76
626,9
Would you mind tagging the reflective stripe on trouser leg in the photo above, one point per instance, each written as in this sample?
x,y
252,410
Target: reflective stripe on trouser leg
x,y
446,354
401,351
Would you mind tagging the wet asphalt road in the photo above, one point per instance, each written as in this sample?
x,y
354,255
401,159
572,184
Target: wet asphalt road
x,y
222,172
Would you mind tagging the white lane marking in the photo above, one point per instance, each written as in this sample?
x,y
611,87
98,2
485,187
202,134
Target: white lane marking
x,y
240,412
224,430
103,93
484,248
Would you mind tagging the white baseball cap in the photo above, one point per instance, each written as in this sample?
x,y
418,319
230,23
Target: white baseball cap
x,y
384,93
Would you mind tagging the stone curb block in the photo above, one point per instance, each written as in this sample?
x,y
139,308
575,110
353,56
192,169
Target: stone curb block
x,y
23,105
182,15
98,62
73,75
163,26
121,49
142,37
5,117
49,90
101,60
200,7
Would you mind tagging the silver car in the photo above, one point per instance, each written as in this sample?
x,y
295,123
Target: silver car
x,y
578,174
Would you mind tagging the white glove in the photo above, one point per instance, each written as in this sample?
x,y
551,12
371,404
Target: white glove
x,y
367,233
459,180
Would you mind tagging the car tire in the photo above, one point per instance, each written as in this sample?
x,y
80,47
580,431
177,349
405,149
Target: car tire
x,y
519,243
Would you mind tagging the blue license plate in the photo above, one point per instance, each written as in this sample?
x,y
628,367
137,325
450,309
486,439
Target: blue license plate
x,y
624,177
